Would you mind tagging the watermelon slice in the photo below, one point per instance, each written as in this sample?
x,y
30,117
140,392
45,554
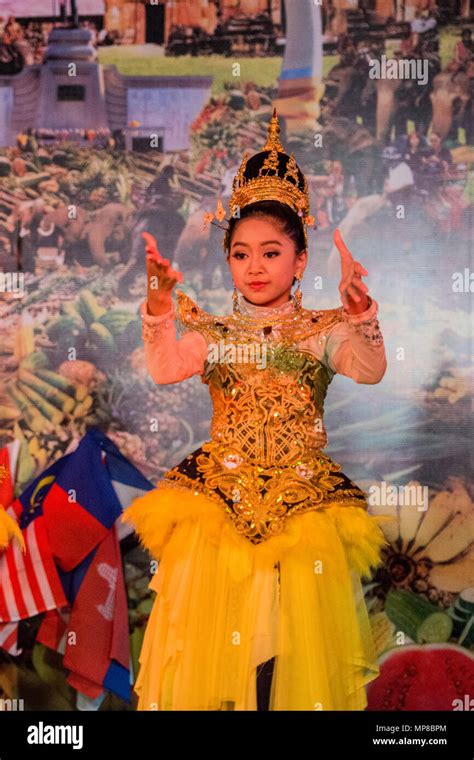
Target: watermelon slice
x,y
424,677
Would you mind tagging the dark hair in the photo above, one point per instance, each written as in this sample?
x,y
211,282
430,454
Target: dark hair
x,y
288,220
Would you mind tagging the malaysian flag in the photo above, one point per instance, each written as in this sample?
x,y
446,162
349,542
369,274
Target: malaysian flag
x,y
29,581
8,464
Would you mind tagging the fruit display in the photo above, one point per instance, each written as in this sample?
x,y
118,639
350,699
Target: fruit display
x,y
383,632
84,366
462,615
419,619
94,332
426,677
158,423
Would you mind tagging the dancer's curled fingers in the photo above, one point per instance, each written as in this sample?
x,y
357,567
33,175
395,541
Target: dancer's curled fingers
x,y
352,290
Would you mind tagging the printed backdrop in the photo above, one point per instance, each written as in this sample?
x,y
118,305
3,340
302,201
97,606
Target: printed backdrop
x,y
71,355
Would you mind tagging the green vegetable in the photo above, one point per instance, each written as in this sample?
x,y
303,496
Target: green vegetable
x,y
32,416
418,618
57,397
64,327
78,391
101,337
35,360
117,320
88,307
48,410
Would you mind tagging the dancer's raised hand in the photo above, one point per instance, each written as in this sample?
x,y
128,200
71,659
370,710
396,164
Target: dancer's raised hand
x,y
353,291
161,277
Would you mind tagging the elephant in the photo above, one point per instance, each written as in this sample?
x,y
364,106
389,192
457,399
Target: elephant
x,y
380,103
21,229
452,103
89,235
191,247
358,151
373,222
347,93
399,100
86,235
200,248
161,218
11,59
106,229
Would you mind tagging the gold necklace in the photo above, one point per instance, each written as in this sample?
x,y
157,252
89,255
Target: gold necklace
x,y
272,316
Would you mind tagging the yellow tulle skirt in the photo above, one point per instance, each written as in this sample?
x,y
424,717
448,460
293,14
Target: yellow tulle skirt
x,y
224,605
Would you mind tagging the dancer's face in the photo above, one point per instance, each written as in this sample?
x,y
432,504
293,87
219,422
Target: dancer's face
x,y
260,251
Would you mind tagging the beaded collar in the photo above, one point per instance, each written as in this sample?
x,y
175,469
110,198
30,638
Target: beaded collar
x,y
256,322
253,311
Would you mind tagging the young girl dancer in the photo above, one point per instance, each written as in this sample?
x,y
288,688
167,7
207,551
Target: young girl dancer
x,y
261,539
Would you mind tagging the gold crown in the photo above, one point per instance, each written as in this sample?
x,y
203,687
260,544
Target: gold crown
x,y
277,177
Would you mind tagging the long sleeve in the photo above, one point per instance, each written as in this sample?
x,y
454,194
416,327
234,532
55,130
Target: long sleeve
x,y
169,359
355,346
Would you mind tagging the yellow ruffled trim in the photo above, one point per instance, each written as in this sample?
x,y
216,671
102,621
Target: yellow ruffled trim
x,y
9,530
155,514
214,584
362,536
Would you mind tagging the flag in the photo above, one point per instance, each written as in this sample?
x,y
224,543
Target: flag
x,y
29,582
87,497
8,467
81,511
53,629
72,571
9,529
99,620
81,505
8,464
9,638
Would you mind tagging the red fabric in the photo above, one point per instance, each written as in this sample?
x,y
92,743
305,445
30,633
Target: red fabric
x,y
6,478
9,638
73,537
99,620
52,630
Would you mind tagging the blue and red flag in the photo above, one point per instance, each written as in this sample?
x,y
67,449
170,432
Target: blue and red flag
x,y
73,509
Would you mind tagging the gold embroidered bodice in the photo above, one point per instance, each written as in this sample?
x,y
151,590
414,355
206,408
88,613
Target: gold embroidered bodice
x,y
267,395
264,461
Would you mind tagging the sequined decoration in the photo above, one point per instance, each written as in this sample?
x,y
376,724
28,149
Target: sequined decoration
x,y
264,462
152,332
370,329
259,500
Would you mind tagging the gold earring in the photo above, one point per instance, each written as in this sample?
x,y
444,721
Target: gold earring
x,y
297,295
235,301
